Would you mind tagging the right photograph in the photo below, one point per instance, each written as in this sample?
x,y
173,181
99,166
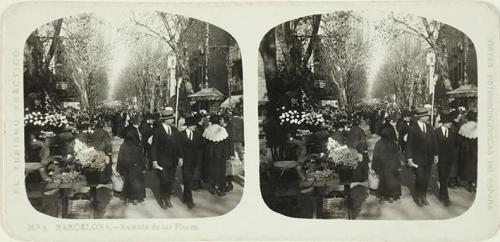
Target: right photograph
x,y
368,115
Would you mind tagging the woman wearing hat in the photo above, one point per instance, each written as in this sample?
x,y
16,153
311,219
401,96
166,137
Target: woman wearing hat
x,y
387,163
216,141
131,166
468,151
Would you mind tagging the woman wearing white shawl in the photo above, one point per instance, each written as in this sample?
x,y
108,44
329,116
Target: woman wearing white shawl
x,y
217,152
468,151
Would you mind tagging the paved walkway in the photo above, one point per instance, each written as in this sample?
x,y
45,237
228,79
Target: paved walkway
x,y
206,204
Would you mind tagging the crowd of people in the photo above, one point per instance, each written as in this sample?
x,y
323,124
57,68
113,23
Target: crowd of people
x,y
200,144
409,138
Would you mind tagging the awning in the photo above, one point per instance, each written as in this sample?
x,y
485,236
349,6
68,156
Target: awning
x,y
468,90
231,101
207,94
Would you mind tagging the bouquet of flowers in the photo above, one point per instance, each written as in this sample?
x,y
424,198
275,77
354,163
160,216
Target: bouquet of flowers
x,y
66,177
49,121
303,118
303,132
290,117
88,130
316,176
342,156
47,134
88,157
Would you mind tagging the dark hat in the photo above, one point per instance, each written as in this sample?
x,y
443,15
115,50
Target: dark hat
x,y
422,111
406,113
191,121
445,117
149,116
167,113
156,115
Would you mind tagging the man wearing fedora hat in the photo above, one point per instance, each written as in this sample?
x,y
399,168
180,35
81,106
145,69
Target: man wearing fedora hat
x,y
190,147
421,151
166,155
446,138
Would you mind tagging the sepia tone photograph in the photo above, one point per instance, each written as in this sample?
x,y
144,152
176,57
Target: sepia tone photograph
x,y
133,115
368,115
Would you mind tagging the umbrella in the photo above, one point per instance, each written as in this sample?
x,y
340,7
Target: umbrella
x,y
468,90
231,101
207,94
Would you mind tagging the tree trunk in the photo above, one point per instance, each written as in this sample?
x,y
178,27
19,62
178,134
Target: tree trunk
x,y
267,51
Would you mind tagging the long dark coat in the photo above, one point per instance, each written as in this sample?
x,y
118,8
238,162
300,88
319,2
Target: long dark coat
x,y
386,163
447,146
101,141
356,139
131,165
421,147
468,153
146,131
190,149
165,148
216,143
402,127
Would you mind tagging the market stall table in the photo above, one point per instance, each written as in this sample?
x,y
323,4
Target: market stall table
x,y
286,165
67,189
322,189
31,167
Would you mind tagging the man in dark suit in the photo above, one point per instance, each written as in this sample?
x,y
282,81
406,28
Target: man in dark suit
x,y
421,151
190,147
446,137
166,155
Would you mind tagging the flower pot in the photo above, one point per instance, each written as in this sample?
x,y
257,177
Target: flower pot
x,y
92,176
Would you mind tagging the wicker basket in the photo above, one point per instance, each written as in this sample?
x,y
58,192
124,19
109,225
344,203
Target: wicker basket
x,y
333,207
80,206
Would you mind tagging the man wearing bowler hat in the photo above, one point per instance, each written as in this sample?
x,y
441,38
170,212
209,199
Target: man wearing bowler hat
x,y
166,155
446,138
190,147
421,151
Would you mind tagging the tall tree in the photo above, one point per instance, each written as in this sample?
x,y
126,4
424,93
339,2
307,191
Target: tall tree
x,y
88,56
403,72
144,75
345,55
295,42
169,29
38,58
427,30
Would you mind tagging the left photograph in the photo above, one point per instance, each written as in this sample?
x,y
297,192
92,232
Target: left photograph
x,y
133,115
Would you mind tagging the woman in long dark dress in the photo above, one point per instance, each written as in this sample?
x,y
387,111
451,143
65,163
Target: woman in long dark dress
x,y
131,166
386,163
216,141
468,151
